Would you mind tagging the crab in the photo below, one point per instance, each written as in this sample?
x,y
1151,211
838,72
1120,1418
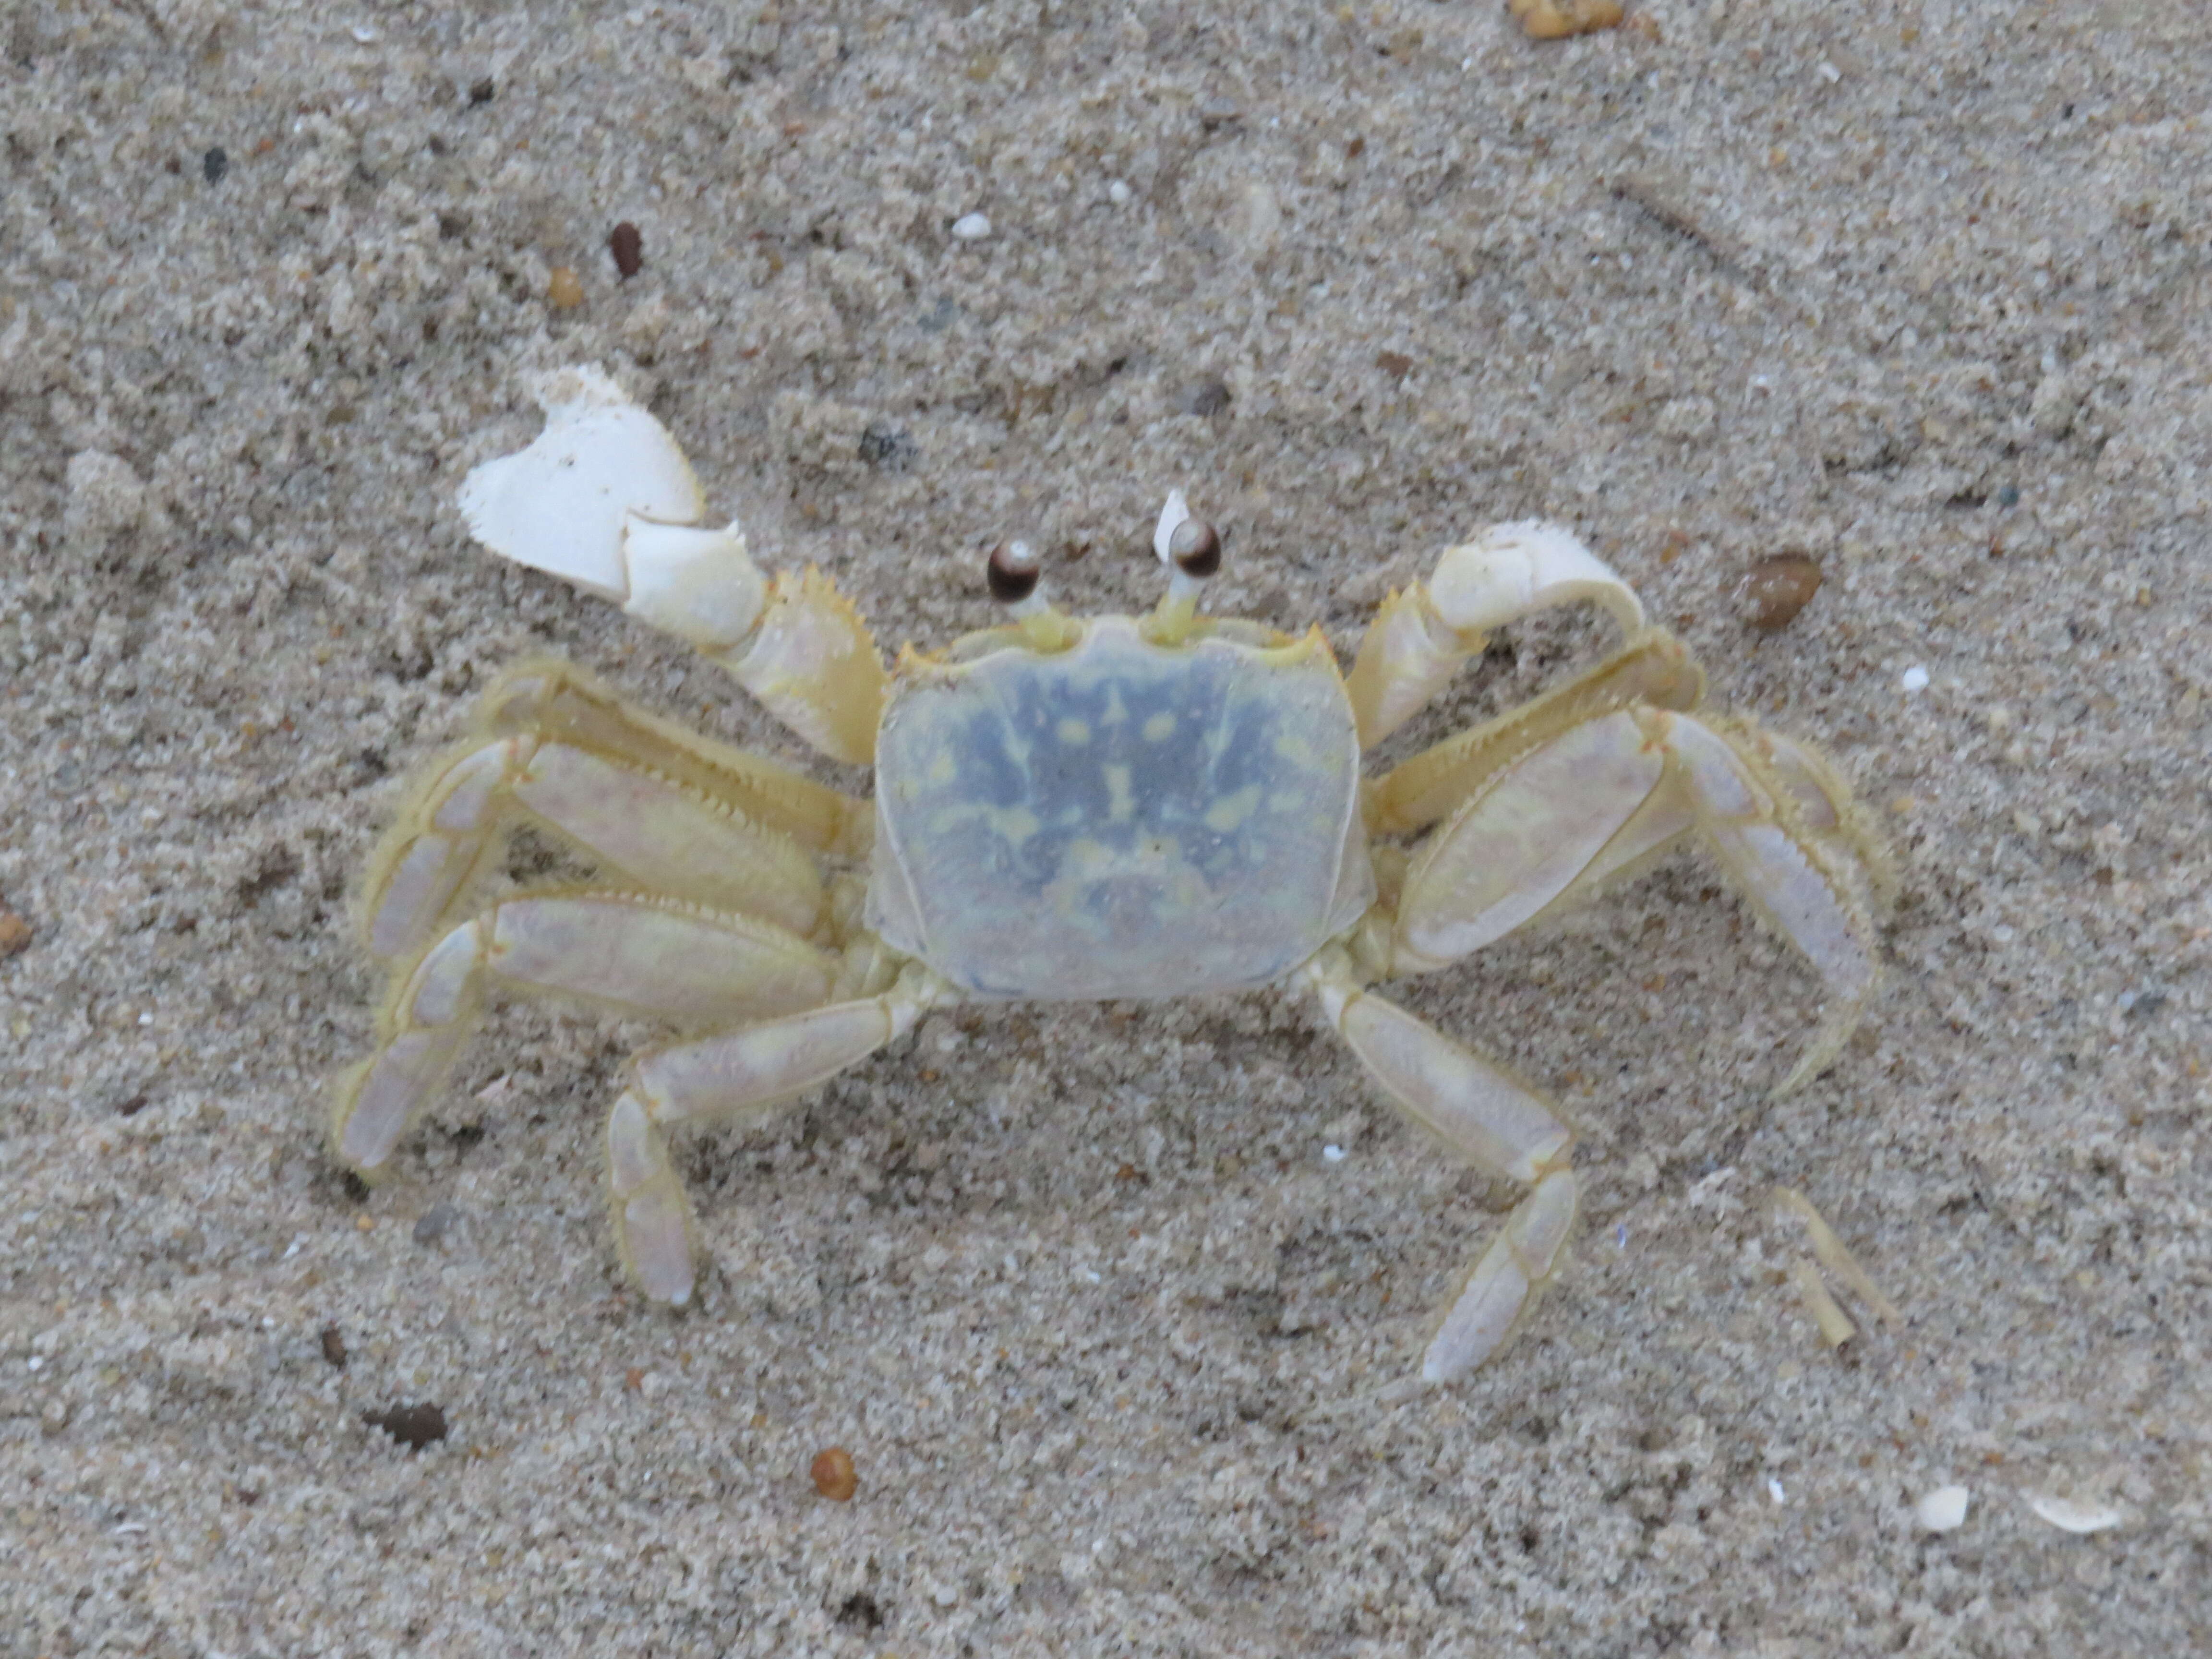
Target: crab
x,y
1065,808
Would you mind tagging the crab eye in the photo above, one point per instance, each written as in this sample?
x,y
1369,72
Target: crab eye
x,y
1195,548
1012,572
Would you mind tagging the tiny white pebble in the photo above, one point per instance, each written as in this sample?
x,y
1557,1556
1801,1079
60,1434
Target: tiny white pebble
x,y
1119,193
2070,1516
37,1362
1620,1235
971,227
1914,679
1943,1509
145,1019
1774,1491
1332,1154
363,33
1091,1276
1830,73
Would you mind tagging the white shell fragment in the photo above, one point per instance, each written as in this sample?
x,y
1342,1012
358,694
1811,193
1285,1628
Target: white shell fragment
x,y
1943,1509
2067,1516
971,227
559,505
1913,679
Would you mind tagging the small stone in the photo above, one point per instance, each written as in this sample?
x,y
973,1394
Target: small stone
x,y
1396,364
835,1477
435,1223
481,92
334,1348
1554,20
15,934
106,496
1207,398
215,164
1776,589
413,1426
1913,679
1943,1509
628,245
1119,193
564,290
971,227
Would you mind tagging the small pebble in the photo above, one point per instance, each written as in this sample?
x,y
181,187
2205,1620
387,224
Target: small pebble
x,y
564,291
1396,364
334,1348
1554,20
835,1477
628,246
435,1223
413,1426
971,227
481,92
1774,1492
1914,679
1119,193
1333,1154
1943,1509
1776,589
15,934
215,164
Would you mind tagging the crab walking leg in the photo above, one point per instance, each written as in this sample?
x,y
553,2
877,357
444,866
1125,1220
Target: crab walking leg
x,y
659,831
1498,1123
1421,637
634,955
606,499
1599,799
737,1072
1794,884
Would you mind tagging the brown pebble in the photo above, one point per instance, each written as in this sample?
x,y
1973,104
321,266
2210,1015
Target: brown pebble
x,y
1396,364
1776,589
14,933
628,249
334,1352
413,1426
1554,20
564,291
835,1477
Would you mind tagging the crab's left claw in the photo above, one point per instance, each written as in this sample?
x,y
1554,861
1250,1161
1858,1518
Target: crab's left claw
x,y
606,499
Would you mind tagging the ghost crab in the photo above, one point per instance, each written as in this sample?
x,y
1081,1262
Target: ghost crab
x,y
1110,807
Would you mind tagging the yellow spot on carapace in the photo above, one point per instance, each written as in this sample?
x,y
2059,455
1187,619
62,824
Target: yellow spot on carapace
x,y
1074,731
1121,806
1229,812
1159,728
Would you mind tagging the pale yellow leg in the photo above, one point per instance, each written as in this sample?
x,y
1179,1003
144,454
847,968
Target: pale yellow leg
x,y
1496,1122
731,1074
1421,637
672,813
632,955
1600,797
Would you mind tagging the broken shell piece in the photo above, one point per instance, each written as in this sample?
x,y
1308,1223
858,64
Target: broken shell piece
x,y
2067,1516
1554,20
1943,1509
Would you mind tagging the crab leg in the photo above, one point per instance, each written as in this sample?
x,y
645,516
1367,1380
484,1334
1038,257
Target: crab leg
x,y
733,1073
605,498
1421,637
658,957
1601,798
1494,1121
662,832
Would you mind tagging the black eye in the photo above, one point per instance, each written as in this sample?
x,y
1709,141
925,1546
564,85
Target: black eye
x,y
1012,572
1195,548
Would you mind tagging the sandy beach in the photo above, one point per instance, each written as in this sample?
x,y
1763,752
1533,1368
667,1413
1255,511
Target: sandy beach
x,y
1109,1304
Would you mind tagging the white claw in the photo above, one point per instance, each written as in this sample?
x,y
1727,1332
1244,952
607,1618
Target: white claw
x,y
1511,571
559,506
